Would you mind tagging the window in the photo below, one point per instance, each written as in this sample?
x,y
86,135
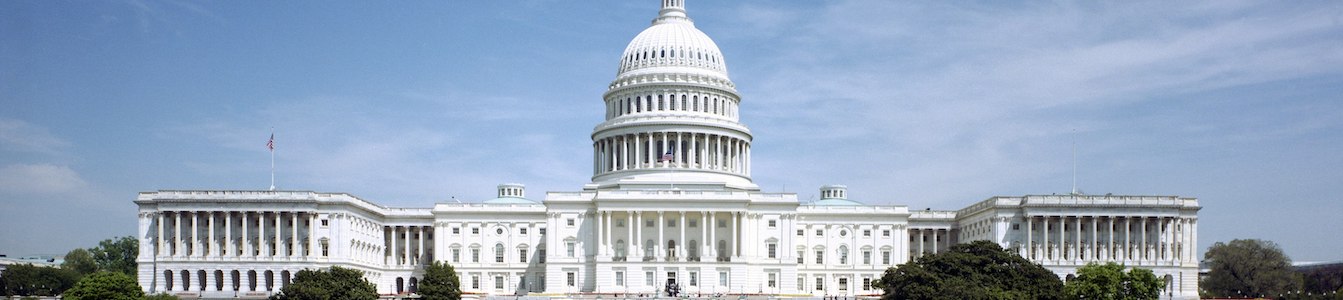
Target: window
x,y
886,257
324,222
620,278
773,223
620,223
820,256
475,255
801,282
722,223
867,232
648,223
541,255
722,278
522,255
569,221
522,231
570,278
867,257
475,281
843,233
820,232
799,232
499,231
498,253
1016,226
886,233
820,283
693,223
498,282
671,223
456,230
648,278
456,255
542,231
569,248
843,256
772,248
324,249
694,278
773,280
867,284
475,230
800,255
843,284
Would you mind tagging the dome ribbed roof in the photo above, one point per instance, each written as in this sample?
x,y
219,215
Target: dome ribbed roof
x,y
672,41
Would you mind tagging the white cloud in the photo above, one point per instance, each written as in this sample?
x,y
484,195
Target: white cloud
x,y
39,179
20,136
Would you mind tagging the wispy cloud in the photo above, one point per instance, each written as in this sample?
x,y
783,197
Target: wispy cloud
x,y
39,179
20,136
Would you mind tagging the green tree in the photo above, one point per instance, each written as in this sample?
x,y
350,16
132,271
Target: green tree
x,y
80,261
1109,281
1248,268
336,283
30,280
978,270
440,283
161,296
105,286
117,255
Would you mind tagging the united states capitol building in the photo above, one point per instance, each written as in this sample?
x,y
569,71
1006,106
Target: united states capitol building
x,y
671,203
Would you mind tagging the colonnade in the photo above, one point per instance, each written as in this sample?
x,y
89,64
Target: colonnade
x,y
1111,238
248,280
408,245
672,150
688,243
924,241
690,101
247,234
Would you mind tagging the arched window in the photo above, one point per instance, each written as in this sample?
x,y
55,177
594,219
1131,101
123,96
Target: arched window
x,y
498,253
237,279
648,247
270,280
843,255
251,281
722,249
200,279
414,285
186,280
168,279
400,285
692,249
671,248
219,280
621,251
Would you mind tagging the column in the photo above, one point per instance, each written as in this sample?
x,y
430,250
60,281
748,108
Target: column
x,y
1030,234
195,235
405,247
691,153
228,235
177,233
293,235
162,217
246,238
214,244
679,158
419,257
279,232
661,242
312,235
629,234
1045,244
713,234
922,241
1142,224
1077,238
1063,238
1095,253
1128,237
935,242
681,245
735,247
637,243
704,230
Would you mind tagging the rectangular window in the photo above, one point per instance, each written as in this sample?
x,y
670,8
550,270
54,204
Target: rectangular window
x,y
475,230
867,232
324,222
694,278
475,255
324,249
456,255
843,284
649,223
475,282
569,222
569,248
620,223
522,231
772,249
820,232
542,231
867,284
801,282
886,257
800,256
648,278
886,233
773,223
820,257
498,282
522,255
499,255
620,278
722,278
773,280
693,224
722,223
541,255
571,278
456,230
867,257
671,223
799,232
1016,226
820,283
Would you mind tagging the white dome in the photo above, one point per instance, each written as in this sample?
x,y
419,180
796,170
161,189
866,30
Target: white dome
x,y
672,41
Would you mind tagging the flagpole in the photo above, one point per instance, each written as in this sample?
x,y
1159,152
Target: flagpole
x,y
271,145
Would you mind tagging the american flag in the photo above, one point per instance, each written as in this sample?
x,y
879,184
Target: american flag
x,y
271,144
668,156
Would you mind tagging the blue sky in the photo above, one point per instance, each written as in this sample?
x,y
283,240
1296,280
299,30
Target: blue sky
x,y
925,104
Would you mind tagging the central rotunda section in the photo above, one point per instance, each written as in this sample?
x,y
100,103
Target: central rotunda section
x,y
672,117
